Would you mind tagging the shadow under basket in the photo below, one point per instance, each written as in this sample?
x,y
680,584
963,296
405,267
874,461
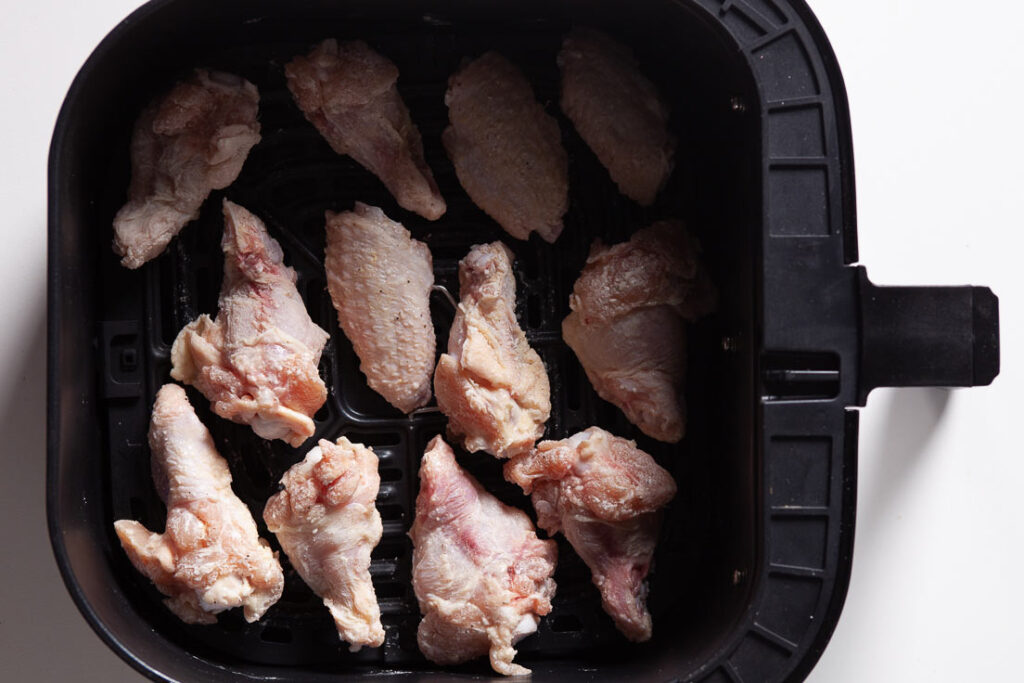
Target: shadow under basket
x,y
754,560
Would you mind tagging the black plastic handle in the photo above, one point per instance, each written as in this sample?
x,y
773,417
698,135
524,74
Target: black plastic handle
x,y
927,336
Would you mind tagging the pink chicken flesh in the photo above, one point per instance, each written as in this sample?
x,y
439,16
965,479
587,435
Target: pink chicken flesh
x,y
507,151
327,524
481,575
380,278
618,112
349,93
604,494
491,384
629,307
192,140
210,557
257,362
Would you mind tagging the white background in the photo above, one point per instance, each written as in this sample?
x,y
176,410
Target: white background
x,y
935,90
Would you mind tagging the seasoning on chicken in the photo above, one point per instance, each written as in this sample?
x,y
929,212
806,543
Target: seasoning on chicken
x,y
618,113
506,149
210,557
629,307
603,493
481,575
257,362
491,384
191,141
327,524
348,92
380,279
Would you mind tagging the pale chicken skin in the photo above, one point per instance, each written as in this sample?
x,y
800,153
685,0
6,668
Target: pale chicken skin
x,y
257,361
618,112
210,557
349,93
327,523
481,575
380,279
507,151
491,384
629,307
187,143
604,494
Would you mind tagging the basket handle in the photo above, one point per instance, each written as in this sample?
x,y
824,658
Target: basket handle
x,y
927,336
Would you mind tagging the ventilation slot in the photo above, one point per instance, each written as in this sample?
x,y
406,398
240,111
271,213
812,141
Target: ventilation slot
x,y
389,550
375,440
572,383
799,376
534,316
390,474
566,624
276,634
390,511
389,590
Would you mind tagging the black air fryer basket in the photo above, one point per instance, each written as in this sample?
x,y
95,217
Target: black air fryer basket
x,y
752,569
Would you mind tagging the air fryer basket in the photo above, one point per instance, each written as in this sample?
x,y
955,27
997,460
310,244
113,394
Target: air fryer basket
x,y
752,569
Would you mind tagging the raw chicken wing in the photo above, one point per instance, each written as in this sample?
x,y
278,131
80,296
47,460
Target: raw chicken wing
x,y
257,362
210,557
327,524
603,493
492,386
506,149
380,280
481,575
191,141
628,323
348,92
617,112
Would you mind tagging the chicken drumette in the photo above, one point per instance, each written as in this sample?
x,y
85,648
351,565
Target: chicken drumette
x,y
630,307
192,140
481,575
327,524
491,384
257,361
604,494
210,557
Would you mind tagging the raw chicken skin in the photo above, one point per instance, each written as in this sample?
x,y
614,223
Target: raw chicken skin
x,y
191,141
210,557
506,149
628,323
257,362
481,575
491,384
603,493
348,92
617,112
380,279
327,524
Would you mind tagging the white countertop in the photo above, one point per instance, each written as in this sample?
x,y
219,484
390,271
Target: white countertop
x,y
935,91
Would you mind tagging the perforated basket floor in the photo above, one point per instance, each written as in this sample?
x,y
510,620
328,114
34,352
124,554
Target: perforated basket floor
x,y
290,179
